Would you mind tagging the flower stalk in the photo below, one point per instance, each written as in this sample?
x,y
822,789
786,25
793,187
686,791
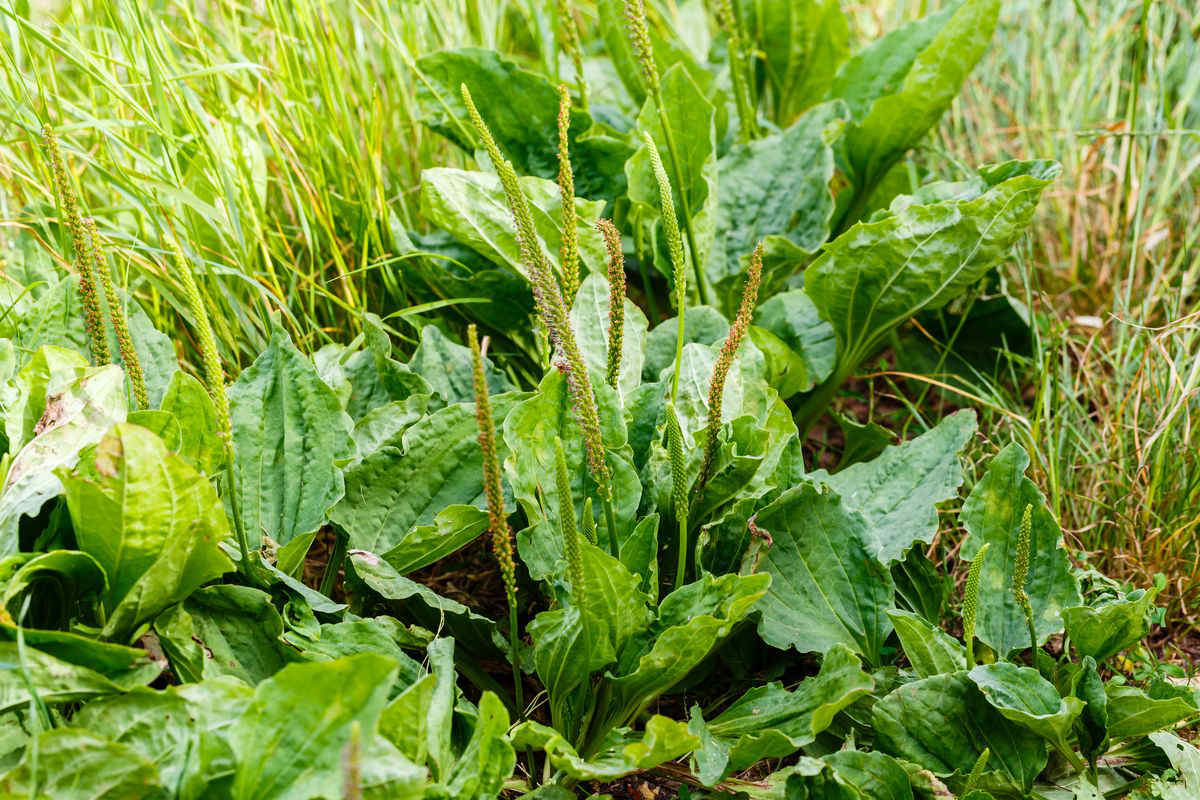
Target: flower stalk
x,y
568,31
739,70
502,540
971,603
553,312
675,248
1021,573
639,35
569,249
716,384
129,356
679,498
616,299
92,316
566,520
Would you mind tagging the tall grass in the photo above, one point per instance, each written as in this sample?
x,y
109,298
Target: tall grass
x,y
1112,422
278,138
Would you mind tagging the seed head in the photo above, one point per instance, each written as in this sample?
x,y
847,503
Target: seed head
x,y
502,544
971,603
214,375
569,251
551,308
616,298
716,385
569,32
129,356
1021,571
92,316
639,35
566,518
679,498
670,222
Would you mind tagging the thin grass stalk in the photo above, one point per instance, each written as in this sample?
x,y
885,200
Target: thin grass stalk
x,y
92,315
502,540
616,299
129,356
716,385
553,312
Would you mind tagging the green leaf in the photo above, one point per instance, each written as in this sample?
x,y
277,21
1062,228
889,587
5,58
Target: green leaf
x,y
57,585
289,433
381,635
470,206
703,324
992,515
763,197
804,41
446,367
289,740
73,419
529,435
1185,759
200,444
224,630
691,621
871,776
1023,696
400,490
944,723
452,529
488,759
772,722
521,109
473,632
663,740
792,317
567,648
150,520
126,666
1092,726
70,764
50,371
898,492
405,721
183,730
589,320
878,274
929,649
929,60
1132,713
826,586
1106,629
56,681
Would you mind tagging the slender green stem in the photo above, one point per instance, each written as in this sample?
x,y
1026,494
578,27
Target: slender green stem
x,y
239,527
329,576
610,519
514,642
681,567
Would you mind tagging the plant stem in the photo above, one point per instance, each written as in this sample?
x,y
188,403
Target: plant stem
x,y
681,568
329,576
239,528
610,519
515,656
